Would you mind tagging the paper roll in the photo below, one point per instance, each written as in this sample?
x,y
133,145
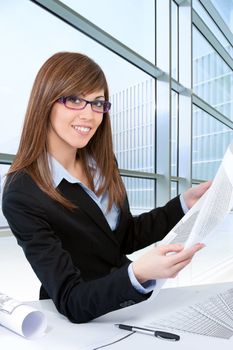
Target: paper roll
x,y
21,318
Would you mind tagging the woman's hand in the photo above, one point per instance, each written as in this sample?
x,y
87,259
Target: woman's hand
x,y
158,263
192,195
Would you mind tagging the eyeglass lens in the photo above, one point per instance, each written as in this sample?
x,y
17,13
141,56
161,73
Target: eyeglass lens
x,y
79,103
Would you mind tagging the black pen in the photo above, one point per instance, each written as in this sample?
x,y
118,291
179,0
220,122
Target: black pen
x,y
158,334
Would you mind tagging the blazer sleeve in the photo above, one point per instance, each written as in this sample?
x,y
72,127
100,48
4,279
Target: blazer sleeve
x,y
78,300
152,226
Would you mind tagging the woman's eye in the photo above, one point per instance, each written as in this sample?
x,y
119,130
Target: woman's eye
x,y
99,103
74,99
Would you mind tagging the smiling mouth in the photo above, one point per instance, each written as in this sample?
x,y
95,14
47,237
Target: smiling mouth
x,y
81,129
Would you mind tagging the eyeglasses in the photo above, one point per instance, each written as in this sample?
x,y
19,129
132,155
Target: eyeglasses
x,y
78,103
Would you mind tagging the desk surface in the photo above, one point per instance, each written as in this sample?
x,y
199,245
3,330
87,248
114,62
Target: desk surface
x,y
63,335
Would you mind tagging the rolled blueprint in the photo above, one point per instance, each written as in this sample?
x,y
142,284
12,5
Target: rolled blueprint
x,y
21,318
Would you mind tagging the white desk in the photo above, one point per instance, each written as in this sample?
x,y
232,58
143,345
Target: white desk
x,y
63,335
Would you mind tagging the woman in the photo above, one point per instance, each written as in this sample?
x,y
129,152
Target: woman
x,y
66,203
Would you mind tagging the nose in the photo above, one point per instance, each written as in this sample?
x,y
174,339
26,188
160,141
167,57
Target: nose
x,y
86,113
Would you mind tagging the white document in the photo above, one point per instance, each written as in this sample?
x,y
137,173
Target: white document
x,y
207,213
210,210
21,318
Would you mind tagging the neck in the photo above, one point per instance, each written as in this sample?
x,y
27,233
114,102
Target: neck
x,y
66,159
71,164
66,156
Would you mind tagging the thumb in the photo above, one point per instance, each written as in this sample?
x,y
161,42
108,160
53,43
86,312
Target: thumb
x,y
164,249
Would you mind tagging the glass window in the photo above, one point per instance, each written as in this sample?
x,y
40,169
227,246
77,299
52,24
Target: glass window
x,y
210,141
3,170
174,189
212,26
212,77
225,9
133,124
174,133
174,40
132,91
141,194
122,20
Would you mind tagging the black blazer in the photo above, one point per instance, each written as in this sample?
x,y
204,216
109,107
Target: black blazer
x,y
79,260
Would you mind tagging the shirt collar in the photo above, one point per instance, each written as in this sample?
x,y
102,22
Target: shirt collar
x,y
59,172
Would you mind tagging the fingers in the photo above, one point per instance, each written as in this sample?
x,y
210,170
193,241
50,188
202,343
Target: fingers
x,y
185,254
178,267
182,254
161,263
169,248
204,187
182,259
176,248
194,193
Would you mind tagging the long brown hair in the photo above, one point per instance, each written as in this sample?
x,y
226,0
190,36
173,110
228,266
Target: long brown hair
x,y
64,74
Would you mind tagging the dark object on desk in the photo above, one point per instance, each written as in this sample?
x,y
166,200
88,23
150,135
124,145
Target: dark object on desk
x,y
157,334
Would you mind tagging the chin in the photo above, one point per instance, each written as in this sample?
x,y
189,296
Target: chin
x,y
82,145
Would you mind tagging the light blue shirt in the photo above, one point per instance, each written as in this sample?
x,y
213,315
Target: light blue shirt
x,y
59,173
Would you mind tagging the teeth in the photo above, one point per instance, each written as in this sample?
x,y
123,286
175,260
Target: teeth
x,y
81,128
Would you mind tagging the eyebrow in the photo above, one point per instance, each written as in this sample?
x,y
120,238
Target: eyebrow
x,y
99,97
